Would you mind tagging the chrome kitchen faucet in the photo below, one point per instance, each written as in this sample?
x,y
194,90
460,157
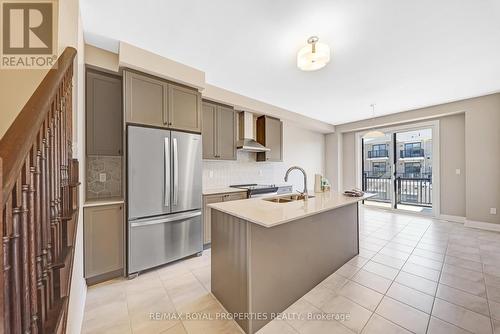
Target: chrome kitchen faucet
x,y
304,193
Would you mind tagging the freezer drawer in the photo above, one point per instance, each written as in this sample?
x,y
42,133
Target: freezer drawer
x,y
156,241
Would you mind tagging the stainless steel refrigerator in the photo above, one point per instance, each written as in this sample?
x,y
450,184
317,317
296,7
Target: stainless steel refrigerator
x,y
164,196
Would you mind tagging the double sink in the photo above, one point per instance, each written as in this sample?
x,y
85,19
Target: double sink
x,y
288,198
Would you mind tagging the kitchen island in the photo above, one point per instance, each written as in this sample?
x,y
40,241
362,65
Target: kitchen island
x,y
267,254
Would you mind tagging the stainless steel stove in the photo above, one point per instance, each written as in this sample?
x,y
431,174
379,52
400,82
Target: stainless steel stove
x,y
256,190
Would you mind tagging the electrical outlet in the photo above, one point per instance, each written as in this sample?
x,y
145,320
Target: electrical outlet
x,y
458,171
493,211
102,177
260,172
211,174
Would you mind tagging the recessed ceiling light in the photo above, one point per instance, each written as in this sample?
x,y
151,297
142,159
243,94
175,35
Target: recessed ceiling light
x,y
313,56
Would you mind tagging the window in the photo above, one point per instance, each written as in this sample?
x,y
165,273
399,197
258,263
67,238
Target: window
x,y
379,168
378,151
412,169
412,150
411,146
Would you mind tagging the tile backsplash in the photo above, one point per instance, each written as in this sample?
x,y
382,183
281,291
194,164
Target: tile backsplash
x,y
104,177
217,174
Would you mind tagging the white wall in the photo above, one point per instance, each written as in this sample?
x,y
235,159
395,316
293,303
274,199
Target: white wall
x,y
452,157
16,87
71,34
482,151
302,147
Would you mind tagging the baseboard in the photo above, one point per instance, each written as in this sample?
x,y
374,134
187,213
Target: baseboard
x,y
451,218
482,225
104,277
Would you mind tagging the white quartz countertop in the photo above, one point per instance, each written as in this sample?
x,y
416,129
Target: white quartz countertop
x,y
224,190
269,214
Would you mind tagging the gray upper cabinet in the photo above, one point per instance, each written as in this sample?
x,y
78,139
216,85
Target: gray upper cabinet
x,y
270,134
209,131
219,132
104,113
145,99
226,133
184,111
152,101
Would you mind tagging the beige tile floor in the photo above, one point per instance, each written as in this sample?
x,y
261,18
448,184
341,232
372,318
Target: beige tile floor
x,y
413,275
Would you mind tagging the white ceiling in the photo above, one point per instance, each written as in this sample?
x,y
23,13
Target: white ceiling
x,y
396,54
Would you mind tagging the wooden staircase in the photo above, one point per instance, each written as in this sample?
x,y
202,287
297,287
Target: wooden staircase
x,y
39,208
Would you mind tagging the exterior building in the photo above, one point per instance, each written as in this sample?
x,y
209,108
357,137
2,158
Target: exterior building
x,y
413,156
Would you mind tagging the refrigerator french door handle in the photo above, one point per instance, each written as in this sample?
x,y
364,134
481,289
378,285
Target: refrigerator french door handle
x,y
166,200
173,218
176,171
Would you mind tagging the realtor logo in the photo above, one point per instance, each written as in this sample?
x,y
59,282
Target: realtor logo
x,y
28,34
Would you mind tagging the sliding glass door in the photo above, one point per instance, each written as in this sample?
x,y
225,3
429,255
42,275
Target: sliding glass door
x,y
397,167
377,169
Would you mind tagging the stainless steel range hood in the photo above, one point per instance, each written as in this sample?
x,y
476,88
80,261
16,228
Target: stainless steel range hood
x,y
247,140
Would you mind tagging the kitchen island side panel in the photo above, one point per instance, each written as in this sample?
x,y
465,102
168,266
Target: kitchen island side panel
x,y
288,260
229,265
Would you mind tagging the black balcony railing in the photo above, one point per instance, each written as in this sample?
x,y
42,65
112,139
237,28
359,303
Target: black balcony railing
x,y
378,154
413,191
411,153
409,190
378,185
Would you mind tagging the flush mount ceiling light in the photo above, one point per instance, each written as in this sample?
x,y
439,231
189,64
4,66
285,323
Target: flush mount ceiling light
x,y
313,56
375,133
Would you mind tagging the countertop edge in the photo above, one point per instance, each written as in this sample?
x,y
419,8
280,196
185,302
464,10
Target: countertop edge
x,y
218,191
235,214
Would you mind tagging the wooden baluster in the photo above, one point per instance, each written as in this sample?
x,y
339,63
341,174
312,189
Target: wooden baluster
x,y
57,174
46,223
56,171
33,251
64,176
7,268
62,153
39,240
52,211
16,272
52,246
60,172
25,300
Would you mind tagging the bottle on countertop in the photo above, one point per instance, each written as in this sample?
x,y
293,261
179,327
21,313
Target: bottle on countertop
x,y
318,183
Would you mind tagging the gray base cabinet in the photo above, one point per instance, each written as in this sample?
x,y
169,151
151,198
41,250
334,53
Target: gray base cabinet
x,y
103,242
209,199
152,101
219,132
